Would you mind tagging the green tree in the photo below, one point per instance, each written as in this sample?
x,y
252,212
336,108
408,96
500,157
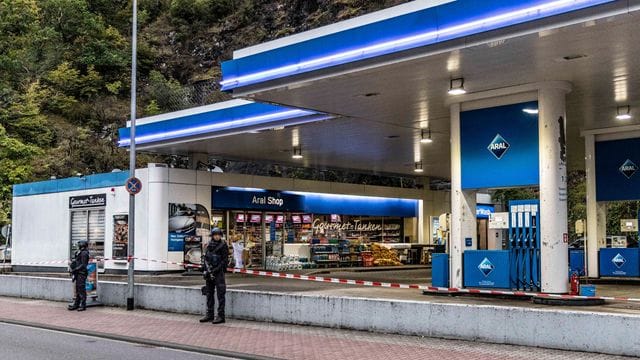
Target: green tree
x,y
208,11
576,199
152,109
85,37
15,158
169,94
24,121
502,196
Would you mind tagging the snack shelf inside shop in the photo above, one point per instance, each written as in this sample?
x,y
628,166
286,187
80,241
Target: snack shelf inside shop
x,y
330,240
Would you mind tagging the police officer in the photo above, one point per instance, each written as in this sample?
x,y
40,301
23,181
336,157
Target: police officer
x,y
79,273
215,262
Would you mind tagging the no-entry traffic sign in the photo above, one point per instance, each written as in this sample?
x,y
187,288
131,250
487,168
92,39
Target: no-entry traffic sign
x,y
133,185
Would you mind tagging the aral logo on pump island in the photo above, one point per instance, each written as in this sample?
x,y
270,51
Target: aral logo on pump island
x,y
486,267
618,260
498,146
628,168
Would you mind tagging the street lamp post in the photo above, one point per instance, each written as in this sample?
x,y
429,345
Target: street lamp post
x,y
132,159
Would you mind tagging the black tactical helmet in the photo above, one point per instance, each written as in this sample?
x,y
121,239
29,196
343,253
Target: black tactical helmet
x,y
83,244
216,231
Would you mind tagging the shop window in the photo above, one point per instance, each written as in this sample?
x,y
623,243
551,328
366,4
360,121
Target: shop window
x,y
88,225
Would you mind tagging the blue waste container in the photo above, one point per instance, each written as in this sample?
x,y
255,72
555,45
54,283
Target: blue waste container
x,y
440,270
576,262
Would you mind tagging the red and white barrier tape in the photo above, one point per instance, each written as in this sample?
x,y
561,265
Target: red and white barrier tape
x,y
442,290
127,259
327,279
526,294
433,289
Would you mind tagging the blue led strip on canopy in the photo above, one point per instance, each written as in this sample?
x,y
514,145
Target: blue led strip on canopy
x,y
425,27
226,119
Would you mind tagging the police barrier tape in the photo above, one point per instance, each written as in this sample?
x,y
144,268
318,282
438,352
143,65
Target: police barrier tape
x,y
426,288
430,289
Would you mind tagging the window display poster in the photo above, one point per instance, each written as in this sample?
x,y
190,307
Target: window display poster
x,y
187,220
120,236
92,279
217,220
192,251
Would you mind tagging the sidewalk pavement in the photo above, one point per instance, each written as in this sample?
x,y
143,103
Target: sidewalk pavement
x,y
248,339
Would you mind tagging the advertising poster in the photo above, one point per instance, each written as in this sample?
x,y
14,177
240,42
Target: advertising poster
x,y
92,279
120,236
182,223
192,250
189,227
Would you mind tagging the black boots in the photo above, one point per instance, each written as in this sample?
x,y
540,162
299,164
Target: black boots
x,y
207,318
76,306
213,319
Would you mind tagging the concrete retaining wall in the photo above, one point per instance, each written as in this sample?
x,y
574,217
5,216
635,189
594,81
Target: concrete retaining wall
x,y
553,328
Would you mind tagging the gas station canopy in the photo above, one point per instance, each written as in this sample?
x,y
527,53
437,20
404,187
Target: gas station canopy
x,y
362,94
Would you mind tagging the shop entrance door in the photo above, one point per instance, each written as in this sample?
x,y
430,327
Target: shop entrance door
x,y
262,234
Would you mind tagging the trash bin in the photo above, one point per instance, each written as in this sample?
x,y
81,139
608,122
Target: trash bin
x,y
440,270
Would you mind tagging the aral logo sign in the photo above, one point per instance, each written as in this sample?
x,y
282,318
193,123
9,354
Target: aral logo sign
x,y
628,168
498,146
486,267
618,261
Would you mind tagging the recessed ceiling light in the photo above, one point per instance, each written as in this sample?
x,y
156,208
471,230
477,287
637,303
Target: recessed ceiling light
x,y
623,112
425,136
297,153
456,87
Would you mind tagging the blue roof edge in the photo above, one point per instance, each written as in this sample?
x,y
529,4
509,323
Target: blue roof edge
x,y
95,181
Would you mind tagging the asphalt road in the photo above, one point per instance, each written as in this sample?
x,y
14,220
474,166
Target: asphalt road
x,y
28,343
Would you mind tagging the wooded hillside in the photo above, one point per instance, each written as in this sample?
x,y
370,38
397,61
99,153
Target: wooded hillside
x,y
65,71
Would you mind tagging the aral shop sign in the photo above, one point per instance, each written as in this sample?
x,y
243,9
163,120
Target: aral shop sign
x,y
79,202
267,200
354,225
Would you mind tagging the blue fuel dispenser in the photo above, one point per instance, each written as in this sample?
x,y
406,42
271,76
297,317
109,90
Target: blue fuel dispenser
x,y
524,244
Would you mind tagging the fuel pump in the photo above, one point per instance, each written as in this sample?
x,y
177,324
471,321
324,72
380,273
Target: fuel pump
x,y
498,231
524,244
